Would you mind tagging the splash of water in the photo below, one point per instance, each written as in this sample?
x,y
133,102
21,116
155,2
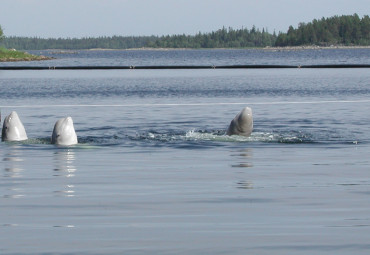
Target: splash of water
x,y
264,137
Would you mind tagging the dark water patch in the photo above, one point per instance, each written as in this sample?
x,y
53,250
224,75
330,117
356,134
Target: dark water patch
x,y
317,248
246,185
367,193
100,140
349,184
102,128
236,201
243,165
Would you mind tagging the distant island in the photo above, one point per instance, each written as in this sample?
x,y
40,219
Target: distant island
x,y
346,30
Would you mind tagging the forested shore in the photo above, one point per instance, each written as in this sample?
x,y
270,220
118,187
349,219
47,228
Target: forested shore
x,y
343,30
346,30
222,38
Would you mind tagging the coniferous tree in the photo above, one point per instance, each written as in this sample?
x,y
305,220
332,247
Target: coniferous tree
x,y
222,38
345,30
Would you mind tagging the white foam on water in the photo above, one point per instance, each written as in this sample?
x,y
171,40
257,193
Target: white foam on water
x,y
265,137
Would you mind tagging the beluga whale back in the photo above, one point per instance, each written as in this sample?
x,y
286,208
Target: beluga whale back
x,y
242,124
13,129
64,132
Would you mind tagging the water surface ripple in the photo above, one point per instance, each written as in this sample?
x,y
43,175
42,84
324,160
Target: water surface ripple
x,y
155,173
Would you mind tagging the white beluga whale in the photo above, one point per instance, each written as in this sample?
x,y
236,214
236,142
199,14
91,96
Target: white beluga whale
x,y
64,132
13,129
242,124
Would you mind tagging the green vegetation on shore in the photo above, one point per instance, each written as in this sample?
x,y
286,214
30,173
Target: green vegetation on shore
x,y
14,55
347,30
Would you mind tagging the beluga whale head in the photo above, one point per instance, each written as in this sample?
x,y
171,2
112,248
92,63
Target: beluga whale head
x,y
13,129
242,124
64,132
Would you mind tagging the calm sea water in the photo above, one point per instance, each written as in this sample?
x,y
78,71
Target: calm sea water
x,y
154,172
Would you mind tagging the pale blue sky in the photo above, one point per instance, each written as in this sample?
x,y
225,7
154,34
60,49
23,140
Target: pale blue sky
x,y
85,18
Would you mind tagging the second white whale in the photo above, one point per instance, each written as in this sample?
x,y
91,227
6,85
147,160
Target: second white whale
x,y
64,132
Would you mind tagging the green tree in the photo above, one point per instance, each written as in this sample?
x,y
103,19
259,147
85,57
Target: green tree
x,y
346,29
1,33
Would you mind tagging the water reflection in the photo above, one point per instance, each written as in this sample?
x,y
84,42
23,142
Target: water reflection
x,y
243,161
244,184
13,170
244,158
65,168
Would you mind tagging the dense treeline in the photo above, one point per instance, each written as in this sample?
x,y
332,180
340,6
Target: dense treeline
x,y
115,42
222,38
343,30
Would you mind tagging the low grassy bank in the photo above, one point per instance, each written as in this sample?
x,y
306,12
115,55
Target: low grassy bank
x,y
14,55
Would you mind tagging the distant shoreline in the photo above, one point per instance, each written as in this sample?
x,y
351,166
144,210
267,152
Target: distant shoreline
x,y
315,47
287,48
